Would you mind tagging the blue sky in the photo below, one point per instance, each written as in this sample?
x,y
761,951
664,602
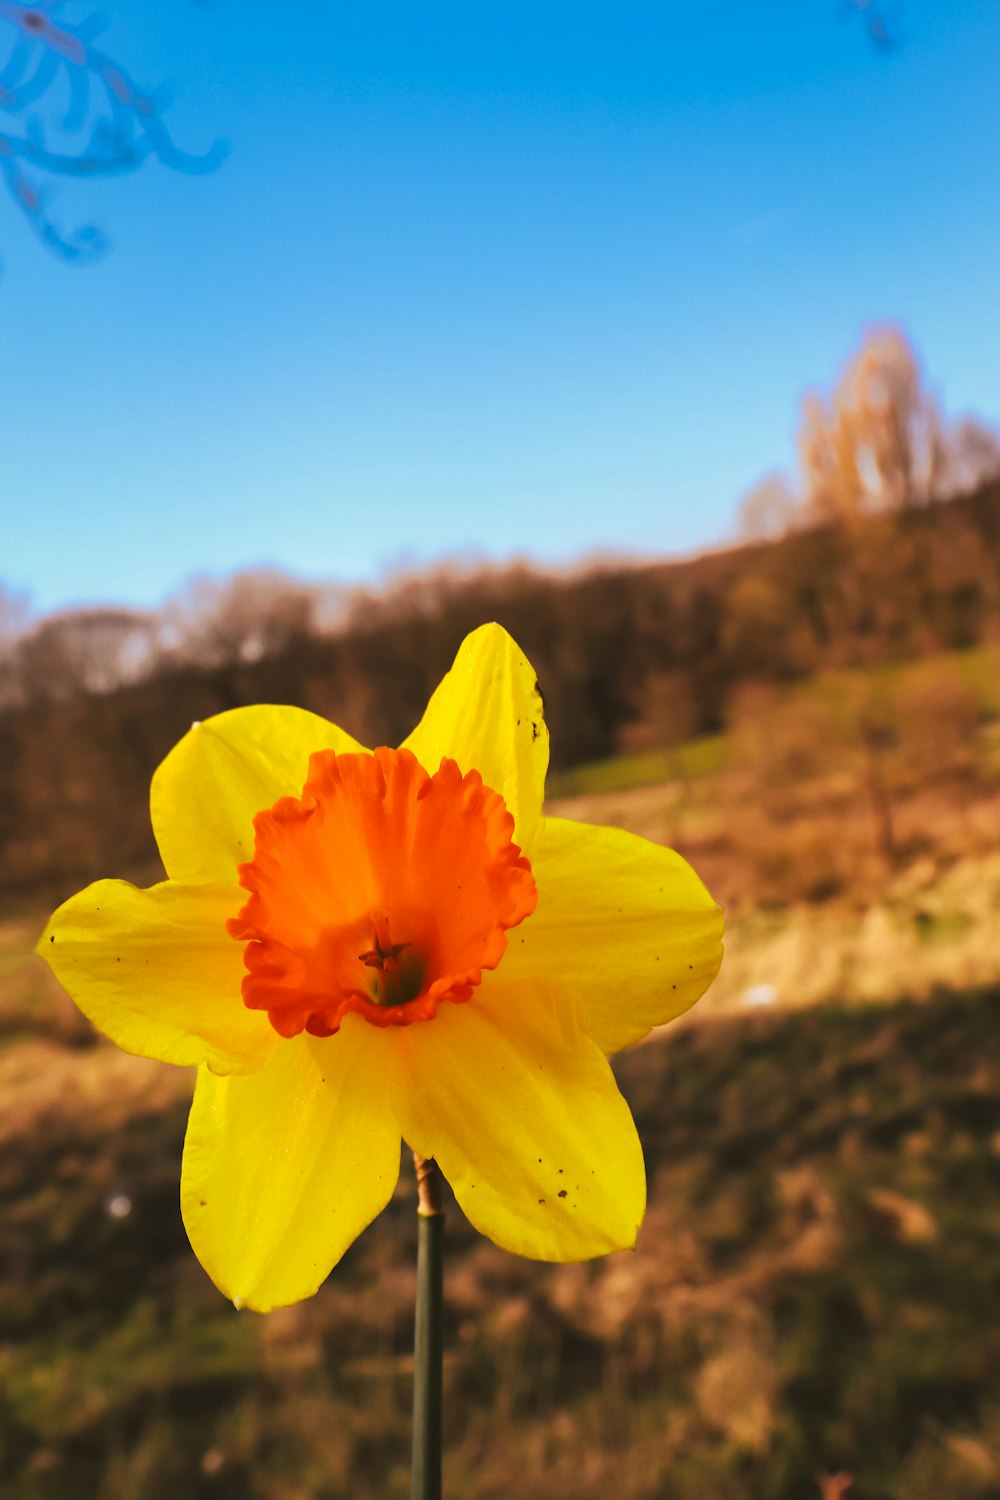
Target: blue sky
x,y
540,278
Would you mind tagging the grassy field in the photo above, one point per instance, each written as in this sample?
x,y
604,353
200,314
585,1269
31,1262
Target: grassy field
x,y
816,1290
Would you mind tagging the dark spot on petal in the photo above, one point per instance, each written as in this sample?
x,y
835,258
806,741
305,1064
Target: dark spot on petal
x,y
561,1193
52,938
541,1200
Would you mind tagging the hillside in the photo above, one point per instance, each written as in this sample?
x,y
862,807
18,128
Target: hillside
x,y
628,660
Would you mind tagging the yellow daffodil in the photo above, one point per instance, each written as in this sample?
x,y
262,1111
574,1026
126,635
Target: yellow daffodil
x,y
355,947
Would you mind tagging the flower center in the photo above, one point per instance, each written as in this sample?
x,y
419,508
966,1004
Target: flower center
x,y
381,889
393,986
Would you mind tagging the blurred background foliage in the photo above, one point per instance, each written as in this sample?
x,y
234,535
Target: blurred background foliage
x,y
812,716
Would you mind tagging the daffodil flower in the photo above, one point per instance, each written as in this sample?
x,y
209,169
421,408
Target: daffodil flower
x,y
356,947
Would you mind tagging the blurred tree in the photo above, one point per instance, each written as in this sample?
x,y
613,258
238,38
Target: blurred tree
x,y
878,447
13,619
13,615
81,651
257,613
938,712
873,459
768,510
762,634
783,742
973,456
68,109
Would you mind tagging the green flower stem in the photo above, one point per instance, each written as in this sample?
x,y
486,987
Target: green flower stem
x,y
426,1479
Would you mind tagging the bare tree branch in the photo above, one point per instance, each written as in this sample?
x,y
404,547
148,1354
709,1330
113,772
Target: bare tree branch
x,y
109,126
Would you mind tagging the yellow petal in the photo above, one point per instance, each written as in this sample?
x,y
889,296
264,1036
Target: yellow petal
x,y
487,715
626,923
284,1168
226,769
522,1113
157,972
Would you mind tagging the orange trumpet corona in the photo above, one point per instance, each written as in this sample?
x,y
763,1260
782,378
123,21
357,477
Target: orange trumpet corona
x,y
381,889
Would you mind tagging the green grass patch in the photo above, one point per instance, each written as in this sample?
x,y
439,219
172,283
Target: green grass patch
x,y
688,762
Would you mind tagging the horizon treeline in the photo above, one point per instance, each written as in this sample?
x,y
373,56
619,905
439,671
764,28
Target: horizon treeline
x,y
627,658
892,552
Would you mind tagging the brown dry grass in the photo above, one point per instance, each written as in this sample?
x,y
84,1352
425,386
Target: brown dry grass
x,y
812,1294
